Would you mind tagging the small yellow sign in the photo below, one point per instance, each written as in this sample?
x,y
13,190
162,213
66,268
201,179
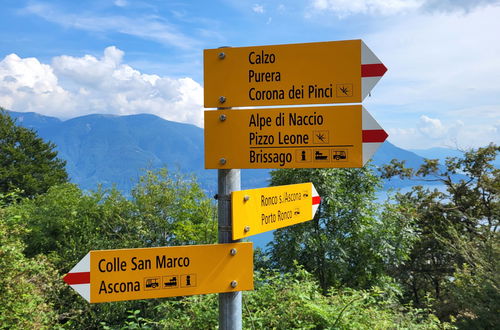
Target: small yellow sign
x,y
131,274
308,73
256,211
299,137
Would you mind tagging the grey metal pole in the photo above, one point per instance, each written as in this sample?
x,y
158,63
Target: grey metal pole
x,y
230,308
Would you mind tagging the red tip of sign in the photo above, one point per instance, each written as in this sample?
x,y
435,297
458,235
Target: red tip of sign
x,y
374,136
77,278
316,200
373,70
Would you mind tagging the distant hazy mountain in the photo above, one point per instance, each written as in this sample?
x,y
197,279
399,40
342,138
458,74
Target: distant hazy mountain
x,y
107,150
443,153
117,149
437,153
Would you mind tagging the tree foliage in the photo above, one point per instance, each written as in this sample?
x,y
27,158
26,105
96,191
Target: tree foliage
x,y
350,241
65,223
173,210
26,284
27,162
295,301
455,259
164,210
342,270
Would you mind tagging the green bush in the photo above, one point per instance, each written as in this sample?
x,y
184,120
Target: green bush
x,y
294,301
26,284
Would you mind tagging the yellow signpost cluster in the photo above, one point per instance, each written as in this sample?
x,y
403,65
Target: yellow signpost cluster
x,y
294,137
344,136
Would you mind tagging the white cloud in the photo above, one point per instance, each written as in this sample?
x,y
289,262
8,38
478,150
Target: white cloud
x,y
120,3
440,58
29,85
147,27
432,132
455,5
258,9
344,8
74,86
431,127
445,65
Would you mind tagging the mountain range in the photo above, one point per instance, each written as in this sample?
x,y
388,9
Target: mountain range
x,y
116,150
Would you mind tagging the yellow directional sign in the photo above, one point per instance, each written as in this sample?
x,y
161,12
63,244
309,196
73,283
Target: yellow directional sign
x,y
299,137
130,274
256,211
309,73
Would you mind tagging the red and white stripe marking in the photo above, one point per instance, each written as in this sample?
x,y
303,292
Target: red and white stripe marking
x,y
373,135
315,200
372,70
79,277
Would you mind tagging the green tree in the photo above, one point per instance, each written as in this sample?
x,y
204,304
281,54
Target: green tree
x,y
173,210
455,259
66,223
27,285
164,210
295,301
26,161
350,241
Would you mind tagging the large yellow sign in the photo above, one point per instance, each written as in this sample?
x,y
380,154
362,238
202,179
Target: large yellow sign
x,y
302,137
309,73
131,274
256,211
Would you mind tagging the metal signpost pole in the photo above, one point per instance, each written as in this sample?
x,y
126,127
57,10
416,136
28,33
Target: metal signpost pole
x,y
229,303
228,180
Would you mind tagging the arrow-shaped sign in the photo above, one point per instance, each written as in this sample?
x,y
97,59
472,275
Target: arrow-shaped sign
x,y
130,274
256,211
299,137
372,70
79,277
292,74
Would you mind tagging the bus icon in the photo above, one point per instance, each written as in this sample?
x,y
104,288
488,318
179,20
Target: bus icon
x,y
339,155
152,283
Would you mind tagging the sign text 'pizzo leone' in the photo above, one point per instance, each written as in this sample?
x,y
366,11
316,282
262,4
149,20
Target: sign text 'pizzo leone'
x,y
299,137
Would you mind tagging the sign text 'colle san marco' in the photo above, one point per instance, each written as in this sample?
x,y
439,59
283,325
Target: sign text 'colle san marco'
x,y
129,274
313,73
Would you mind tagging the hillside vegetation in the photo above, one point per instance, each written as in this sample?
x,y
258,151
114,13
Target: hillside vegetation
x,y
423,259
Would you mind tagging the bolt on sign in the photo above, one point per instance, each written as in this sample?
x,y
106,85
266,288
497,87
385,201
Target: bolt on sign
x,y
291,74
255,211
130,274
298,137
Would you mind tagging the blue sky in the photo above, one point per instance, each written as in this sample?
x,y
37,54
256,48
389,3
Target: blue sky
x,y
71,58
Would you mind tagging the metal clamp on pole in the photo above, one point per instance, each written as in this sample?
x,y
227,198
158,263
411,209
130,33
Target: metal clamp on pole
x,y
222,197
